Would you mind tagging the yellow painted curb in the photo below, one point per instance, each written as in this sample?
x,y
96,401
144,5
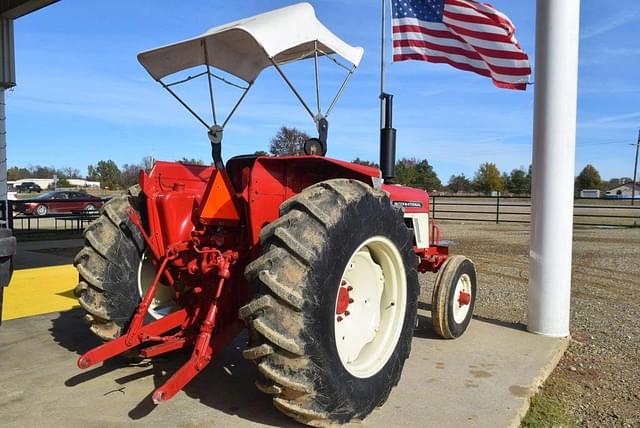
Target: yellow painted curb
x,y
40,291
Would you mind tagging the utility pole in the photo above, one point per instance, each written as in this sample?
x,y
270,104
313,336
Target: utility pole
x,y
635,171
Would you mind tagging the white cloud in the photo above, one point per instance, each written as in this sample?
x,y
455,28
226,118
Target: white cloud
x,y
623,16
620,121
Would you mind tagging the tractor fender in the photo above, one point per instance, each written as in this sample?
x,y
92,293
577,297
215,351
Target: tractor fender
x,y
276,179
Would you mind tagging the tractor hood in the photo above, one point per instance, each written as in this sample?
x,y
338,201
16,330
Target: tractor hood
x,y
244,48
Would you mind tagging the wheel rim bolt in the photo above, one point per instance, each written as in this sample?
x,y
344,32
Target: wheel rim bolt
x,y
350,300
347,313
339,319
349,288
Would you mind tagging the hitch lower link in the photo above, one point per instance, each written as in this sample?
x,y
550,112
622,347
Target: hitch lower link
x,y
195,323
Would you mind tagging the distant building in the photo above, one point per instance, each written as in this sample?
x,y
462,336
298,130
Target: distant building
x,y
78,182
623,191
46,183
590,193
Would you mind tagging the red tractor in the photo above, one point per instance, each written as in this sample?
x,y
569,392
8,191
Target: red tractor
x,y
317,257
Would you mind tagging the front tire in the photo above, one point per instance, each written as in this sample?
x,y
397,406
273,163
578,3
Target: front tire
x,y
454,297
299,279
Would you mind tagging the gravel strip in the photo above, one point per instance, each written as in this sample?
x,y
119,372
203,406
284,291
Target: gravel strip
x,y
599,376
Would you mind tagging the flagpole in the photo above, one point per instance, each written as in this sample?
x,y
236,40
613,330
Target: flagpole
x,y
383,41
387,132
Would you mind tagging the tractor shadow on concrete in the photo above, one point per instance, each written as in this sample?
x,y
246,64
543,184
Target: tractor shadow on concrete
x,y
227,385
70,332
425,330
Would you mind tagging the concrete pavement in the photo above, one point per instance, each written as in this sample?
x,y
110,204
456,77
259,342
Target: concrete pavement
x,y
55,252
485,378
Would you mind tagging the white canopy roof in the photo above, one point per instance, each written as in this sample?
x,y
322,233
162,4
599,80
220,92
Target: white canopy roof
x,y
244,48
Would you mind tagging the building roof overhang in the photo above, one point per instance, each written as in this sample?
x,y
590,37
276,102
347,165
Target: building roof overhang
x,y
14,9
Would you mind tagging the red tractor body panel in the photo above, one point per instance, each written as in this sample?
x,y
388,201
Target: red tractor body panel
x,y
174,192
273,180
410,199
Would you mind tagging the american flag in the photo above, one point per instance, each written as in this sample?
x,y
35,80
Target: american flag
x,y
466,34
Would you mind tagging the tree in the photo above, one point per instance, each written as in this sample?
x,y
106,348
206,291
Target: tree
x,y
16,173
106,172
147,163
414,173
365,162
459,183
487,178
506,178
260,153
192,161
39,171
589,178
129,175
69,172
519,182
288,142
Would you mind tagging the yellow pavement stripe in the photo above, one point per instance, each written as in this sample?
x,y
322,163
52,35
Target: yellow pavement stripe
x,y
40,291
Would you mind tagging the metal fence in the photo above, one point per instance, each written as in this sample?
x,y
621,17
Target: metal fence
x,y
510,209
495,209
67,215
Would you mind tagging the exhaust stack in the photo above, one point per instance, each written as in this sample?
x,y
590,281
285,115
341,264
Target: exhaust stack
x,y
387,139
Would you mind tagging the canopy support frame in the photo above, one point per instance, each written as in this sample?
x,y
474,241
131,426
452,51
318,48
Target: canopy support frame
x,y
319,118
211,97
293,89
315,63
316,118
245,90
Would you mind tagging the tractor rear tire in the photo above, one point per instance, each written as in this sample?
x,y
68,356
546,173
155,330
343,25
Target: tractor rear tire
x,y
108,266
301,269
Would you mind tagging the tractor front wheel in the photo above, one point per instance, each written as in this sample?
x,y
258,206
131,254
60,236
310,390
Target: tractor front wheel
x,y
454,297
335,305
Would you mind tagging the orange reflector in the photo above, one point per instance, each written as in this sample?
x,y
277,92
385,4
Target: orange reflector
x,y
218,203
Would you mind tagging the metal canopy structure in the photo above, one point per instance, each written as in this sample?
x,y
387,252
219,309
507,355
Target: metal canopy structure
x,y
14,9
246,47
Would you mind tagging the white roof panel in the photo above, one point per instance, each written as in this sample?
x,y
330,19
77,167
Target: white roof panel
x,y
244,48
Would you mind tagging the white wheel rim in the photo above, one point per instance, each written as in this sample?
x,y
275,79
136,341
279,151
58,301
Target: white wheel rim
x,y
367,332
163,302
41,210
460,308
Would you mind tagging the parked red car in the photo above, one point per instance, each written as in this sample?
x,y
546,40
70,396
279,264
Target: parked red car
x,y
59,202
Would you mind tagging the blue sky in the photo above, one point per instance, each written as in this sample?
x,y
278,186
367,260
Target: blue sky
x,y
82,96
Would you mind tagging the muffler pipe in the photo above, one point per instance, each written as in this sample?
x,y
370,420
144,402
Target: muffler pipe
x,y
388,140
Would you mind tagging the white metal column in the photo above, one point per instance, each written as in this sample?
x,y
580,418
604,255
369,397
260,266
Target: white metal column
x,y
554,142
3,155
7,80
